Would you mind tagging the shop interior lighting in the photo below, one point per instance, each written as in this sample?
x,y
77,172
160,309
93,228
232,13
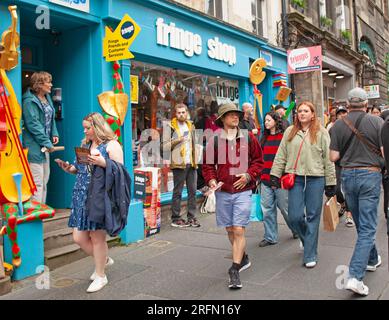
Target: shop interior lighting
x,y
332,73
325,70
340,76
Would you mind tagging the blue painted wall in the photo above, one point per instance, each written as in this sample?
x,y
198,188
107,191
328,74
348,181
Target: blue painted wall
x,y
79,68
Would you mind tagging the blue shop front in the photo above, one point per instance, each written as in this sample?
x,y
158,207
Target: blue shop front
x,y
180,56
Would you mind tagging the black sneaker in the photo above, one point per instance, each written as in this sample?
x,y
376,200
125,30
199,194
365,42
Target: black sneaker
x,y
245,263
180,224
234,279
265,243
194,223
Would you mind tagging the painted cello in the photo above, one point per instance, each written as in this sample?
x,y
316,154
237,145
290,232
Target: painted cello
x,y
13,158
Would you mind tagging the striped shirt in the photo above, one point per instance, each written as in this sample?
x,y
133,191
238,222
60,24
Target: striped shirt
x,y
270,149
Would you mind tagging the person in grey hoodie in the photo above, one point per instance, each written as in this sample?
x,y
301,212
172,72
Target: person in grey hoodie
x,y
39,130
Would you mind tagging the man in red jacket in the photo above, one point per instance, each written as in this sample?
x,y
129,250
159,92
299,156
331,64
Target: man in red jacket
x,y
233,156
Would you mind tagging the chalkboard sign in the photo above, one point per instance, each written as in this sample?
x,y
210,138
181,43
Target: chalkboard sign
x,y
139,186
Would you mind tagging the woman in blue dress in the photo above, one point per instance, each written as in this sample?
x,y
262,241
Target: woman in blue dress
x,y
90,236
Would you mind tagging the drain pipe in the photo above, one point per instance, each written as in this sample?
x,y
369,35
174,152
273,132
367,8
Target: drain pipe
x,y
356,38
285,33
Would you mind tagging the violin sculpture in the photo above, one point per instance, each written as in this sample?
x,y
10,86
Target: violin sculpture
x,y
14,196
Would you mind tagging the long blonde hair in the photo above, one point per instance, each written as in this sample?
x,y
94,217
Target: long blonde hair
x,y
101,128
314,128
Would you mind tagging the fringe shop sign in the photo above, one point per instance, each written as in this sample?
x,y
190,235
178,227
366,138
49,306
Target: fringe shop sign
x,y
190,43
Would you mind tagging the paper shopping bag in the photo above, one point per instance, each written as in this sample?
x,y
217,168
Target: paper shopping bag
x,y
330,215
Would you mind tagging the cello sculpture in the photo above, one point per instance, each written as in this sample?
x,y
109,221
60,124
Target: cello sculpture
x,y
16,206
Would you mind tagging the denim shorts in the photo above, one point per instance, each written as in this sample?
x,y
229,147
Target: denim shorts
x,y
233,209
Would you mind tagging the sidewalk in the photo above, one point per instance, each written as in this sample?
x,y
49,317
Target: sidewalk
x,y
192,263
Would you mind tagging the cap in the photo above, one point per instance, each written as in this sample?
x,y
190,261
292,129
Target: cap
x,y
341,109
357,95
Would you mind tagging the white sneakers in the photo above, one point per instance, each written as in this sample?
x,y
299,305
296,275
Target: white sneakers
x,y
110,262
374,267
311,264
97,284
357,286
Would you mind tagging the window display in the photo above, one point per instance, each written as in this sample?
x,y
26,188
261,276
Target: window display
x,y
160,89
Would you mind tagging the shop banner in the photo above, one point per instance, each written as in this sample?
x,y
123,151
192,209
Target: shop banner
x,y
116,45
81,5
134,89
304,60
373,91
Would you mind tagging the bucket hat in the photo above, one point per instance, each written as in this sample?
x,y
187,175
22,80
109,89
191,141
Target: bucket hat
x,y
224,109
357,95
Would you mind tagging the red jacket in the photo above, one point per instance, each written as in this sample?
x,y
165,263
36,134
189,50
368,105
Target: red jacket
x,y
228,159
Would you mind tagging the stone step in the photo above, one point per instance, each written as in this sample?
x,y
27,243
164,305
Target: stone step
x,y
58,257
58,222
58,238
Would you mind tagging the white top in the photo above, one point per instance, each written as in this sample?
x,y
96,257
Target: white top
x,y
188,147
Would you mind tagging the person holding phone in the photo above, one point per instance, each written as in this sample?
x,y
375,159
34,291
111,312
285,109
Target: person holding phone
x,y
89,235
179,142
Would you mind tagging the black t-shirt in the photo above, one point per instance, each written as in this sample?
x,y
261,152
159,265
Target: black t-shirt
x,y
358,154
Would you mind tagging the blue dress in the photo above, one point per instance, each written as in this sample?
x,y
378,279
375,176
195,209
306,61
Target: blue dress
x,y
78,218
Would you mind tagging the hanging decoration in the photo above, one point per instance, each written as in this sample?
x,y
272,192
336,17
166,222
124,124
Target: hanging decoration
x,y
257,75
280,80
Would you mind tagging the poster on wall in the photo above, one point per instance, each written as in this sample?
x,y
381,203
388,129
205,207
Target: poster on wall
x,y
134,89
373,91
305,60
81,5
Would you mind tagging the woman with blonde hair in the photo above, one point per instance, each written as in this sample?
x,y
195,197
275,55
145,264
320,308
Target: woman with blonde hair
x,y
91,236
308,142
39,130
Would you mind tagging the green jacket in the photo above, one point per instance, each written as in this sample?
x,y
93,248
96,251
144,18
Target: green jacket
x,y
34,136
314,158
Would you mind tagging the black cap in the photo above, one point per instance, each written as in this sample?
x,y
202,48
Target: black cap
x,y
341,109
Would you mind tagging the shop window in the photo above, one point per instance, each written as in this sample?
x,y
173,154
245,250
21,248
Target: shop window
x,y
215,8
160,89
257,16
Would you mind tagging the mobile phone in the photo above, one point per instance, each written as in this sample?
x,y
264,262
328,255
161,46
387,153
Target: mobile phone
x,y
186,133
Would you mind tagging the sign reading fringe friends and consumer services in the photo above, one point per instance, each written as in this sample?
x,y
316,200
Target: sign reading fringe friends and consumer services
x,y
82,5
116,44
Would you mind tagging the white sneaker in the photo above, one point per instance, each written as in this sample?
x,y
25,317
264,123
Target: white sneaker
x,y
357,286
97,284
109,263
311,264
374,267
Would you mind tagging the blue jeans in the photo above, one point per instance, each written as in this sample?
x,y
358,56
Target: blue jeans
x,y
362,189
270,201
305,207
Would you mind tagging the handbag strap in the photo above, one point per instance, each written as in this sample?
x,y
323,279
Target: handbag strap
x,y
361,138
298,155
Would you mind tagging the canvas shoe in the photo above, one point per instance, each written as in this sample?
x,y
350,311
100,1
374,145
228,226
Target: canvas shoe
x,y
109,263
357,286
311,264
180,224
97,284
234,279
194,223
245,263
374,267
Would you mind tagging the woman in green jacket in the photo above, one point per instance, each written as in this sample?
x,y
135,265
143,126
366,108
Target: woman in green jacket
x,y
315,174
39,130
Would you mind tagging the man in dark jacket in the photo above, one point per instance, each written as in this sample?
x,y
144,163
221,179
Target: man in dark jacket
x,y
236,161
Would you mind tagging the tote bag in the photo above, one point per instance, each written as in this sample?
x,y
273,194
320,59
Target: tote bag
x,y
256,210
